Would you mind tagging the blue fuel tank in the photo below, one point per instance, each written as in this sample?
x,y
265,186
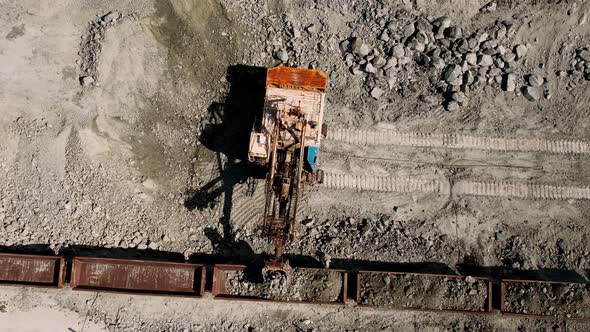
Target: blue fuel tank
x,y
311,158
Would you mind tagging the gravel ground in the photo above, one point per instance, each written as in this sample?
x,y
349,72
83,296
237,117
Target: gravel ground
x,y
124,124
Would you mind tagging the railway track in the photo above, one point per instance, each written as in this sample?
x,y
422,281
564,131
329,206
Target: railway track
x,y
457,141
144,277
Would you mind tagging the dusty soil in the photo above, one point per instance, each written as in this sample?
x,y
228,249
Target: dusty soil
x,y
147,157
315,285
423,292
559,300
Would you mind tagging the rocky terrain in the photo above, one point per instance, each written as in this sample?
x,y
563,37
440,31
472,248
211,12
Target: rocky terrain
x,y
124,124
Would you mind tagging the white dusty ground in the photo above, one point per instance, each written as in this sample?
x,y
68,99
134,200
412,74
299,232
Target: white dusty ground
x,y
89,311
120,167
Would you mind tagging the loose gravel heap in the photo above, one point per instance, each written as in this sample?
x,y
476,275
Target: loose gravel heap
x,y
374,237
423,292
454,60
579,71
305,285
403,51
91,46
558,300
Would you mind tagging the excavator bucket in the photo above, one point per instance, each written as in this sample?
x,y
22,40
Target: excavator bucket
x,y
277,271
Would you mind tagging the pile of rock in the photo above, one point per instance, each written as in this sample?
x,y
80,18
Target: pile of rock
x,y
290,46
456,61
579,68
376,236
90,47
581,63
532,91
489,8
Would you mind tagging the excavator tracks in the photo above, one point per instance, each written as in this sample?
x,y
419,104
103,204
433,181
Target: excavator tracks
x,y
466,186
381,183
458,141
521,190
424,184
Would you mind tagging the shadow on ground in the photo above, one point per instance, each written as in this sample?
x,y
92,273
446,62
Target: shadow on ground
x,y
227,134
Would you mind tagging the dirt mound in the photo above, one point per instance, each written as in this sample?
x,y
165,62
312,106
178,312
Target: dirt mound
x,y
559,300
305,285
424,292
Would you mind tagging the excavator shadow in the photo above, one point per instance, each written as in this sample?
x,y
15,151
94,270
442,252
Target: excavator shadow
x,y
232,251
71,251
28,249
226,134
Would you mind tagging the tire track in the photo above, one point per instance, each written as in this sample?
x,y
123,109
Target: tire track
x,y
520,190
381,183
248,210
410,184
457,141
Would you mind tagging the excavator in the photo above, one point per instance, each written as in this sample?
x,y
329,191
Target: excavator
x,y
285,139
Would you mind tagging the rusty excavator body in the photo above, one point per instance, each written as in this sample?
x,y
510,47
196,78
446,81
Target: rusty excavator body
x,y
285,139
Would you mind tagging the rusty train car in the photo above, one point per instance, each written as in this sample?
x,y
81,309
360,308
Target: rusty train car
x,y
159,278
